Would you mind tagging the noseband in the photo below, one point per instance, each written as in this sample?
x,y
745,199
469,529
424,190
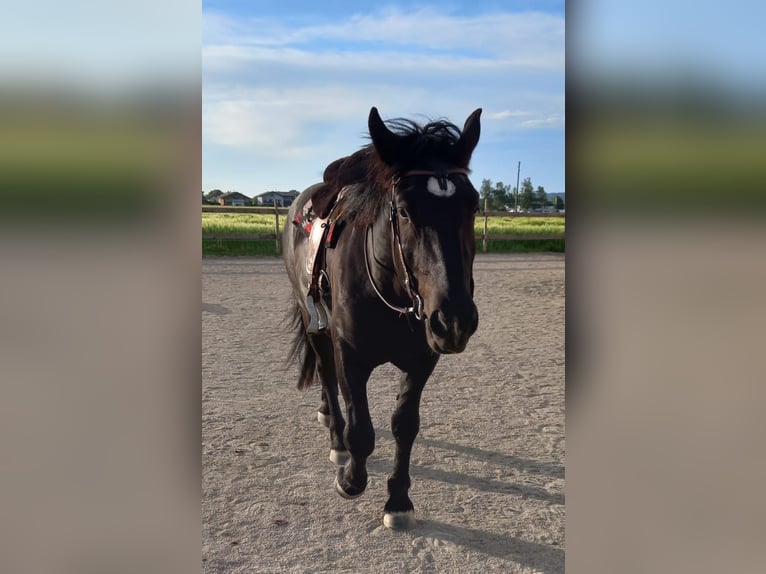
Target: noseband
x,y
408,280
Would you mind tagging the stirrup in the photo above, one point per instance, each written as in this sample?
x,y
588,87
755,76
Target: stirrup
x,y
317,316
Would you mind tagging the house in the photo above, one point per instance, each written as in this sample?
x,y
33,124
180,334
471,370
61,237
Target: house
x,y
234,198
213,196
283,198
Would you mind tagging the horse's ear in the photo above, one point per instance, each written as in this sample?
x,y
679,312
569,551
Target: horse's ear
x,y
468,140
385,141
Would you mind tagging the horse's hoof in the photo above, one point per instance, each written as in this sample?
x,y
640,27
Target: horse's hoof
x,y
399,520
347,495
339,457
323,419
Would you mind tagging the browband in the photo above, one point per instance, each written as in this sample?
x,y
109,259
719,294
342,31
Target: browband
x,y
436,173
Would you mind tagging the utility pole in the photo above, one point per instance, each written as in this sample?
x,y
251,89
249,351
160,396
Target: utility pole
x,y
516,203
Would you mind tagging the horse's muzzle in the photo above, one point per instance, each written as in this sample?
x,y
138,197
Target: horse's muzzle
x,y
449,328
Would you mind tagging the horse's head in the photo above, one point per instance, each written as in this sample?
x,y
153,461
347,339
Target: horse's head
x,y
433,209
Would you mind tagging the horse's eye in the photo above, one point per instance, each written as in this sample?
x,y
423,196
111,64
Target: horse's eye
x,y
403,213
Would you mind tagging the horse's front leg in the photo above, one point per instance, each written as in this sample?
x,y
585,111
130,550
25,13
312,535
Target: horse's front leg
x,y
405,422
359,435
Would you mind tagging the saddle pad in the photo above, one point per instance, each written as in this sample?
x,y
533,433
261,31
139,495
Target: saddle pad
x,y
315,239
304,219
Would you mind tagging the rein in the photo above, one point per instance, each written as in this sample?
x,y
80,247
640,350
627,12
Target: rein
x,y
417,302
416,308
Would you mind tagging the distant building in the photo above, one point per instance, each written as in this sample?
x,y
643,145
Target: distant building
x,y
213,196
283,198
234,198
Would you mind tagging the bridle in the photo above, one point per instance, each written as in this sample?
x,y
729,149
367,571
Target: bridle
x,y
416,308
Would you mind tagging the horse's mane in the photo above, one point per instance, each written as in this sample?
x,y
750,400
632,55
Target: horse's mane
x,y
369,178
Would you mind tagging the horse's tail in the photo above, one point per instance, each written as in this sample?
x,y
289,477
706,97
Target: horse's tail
x,y
302,351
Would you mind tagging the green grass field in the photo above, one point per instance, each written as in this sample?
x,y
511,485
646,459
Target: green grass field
x,y
256,223
264,223
239,223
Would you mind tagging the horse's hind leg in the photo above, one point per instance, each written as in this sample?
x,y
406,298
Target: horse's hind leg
x,y
405,422
329,413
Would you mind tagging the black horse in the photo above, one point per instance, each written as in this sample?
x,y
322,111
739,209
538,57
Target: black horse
x,y
380,258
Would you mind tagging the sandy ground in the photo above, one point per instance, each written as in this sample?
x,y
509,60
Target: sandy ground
x,y
487,466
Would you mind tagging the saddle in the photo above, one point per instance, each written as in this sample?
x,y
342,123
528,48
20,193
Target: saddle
x,y
322,226
321,220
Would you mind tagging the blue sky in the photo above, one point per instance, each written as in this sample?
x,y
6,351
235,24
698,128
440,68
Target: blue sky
x,y
288,85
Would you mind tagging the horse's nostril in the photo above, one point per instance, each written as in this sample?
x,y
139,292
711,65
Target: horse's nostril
x,y
439,324
454,330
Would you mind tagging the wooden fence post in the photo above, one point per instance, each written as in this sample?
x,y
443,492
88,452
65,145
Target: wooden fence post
x,y
484,236
276,227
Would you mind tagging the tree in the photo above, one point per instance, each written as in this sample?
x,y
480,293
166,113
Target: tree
x,y
558,203
540,196
497,195
484,193
501,196
527,195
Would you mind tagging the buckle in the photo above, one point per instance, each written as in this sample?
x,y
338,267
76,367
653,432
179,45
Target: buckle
x,y
418,307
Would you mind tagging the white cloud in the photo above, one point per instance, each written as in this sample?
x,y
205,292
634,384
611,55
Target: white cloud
x,y
274,122
507,120
505,114
427,27
228,58
529,39
551,121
